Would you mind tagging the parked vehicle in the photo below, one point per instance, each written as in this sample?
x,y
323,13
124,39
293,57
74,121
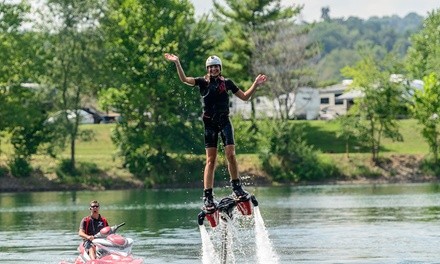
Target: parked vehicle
x,y
84,117
326,114
98,117
102,117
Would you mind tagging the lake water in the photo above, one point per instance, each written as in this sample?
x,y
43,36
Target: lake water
x,y
319,224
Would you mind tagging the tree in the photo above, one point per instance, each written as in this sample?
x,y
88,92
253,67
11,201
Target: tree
x,y
423,62
22,109
28,131
349,131
378,109
155,107
329,67
11,55
423,57
325,13
289,157
426,109
243,19
69,55
286,54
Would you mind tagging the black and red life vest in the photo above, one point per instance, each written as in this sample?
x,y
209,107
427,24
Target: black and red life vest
x,y
88,221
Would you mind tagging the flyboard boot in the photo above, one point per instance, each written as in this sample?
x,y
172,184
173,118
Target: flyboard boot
x,y
242,197
209,209
224,209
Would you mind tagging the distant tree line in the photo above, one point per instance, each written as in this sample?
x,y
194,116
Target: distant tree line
x,y
340,40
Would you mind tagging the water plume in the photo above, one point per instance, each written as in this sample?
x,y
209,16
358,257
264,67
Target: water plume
x,y
209,255
264,247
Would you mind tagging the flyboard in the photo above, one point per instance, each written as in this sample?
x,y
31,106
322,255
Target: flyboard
x,y
224,214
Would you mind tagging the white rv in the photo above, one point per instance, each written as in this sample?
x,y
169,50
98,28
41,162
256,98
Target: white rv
x,y
304,105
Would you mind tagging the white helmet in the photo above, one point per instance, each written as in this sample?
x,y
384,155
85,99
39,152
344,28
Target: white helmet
x,y
213,60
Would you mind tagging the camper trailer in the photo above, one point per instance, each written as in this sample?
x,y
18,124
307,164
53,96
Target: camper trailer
x,y
303,105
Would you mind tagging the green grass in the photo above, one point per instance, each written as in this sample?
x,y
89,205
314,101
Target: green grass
x,y
321,134
413,142
100,144
100,150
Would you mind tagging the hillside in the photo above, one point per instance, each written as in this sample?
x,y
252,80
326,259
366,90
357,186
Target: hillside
x,y
340,40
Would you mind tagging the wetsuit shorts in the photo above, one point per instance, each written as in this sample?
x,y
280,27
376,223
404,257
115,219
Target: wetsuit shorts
x,y
215,125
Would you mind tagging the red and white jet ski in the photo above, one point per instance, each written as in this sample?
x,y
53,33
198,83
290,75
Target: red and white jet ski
x,y
110,248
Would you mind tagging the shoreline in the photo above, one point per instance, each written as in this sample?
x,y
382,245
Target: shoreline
x,y
394,169
42,184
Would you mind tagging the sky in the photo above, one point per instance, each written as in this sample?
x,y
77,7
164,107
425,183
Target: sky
x,y
346,8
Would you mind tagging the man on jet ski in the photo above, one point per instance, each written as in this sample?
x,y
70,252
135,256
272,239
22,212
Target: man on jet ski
x,y
90,226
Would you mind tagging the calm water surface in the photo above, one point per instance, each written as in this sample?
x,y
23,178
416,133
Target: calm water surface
x,y
320,224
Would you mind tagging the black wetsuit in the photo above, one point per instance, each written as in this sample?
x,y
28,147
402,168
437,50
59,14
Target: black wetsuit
x,y
216,109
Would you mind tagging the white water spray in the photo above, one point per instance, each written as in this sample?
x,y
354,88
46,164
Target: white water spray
x,y
227,253
265,252
209,255
218,246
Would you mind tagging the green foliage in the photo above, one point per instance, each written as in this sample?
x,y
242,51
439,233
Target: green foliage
x,y
378,109
180,170
423,56
241,21
114,49
12,43
156,110
245,143
69,60
423,61
339,39
141,159
288,57
348,131
291,159
21,109
25,114
431,167
3,171
13,57
66,169
333,35
20,167
329,66
83,173
426,109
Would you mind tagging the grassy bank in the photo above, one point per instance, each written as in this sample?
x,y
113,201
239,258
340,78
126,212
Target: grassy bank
x,y
101,153
323,135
